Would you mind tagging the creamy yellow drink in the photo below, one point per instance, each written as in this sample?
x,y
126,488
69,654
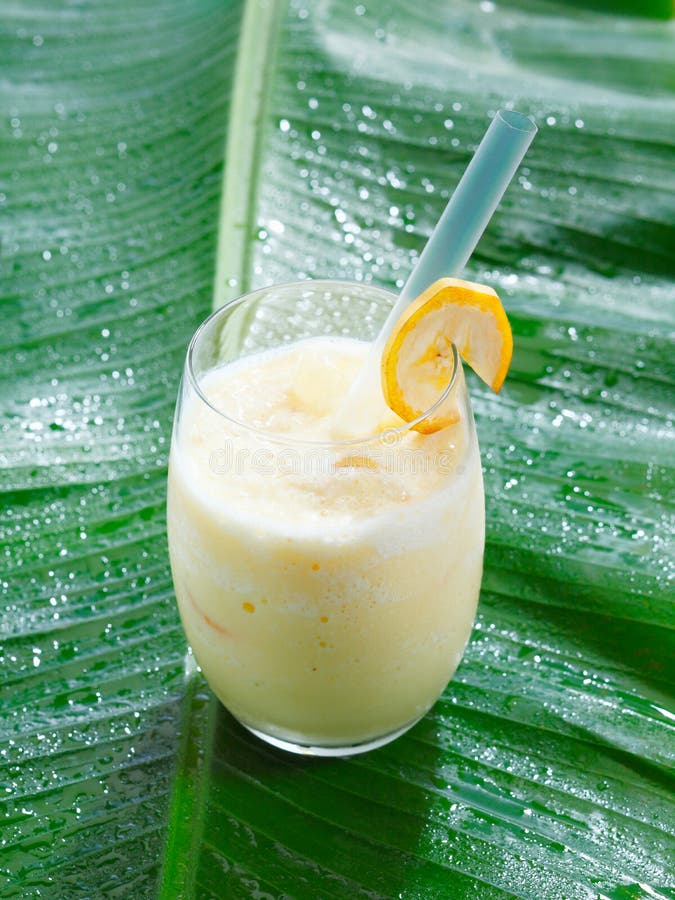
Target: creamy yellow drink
x,y
327,582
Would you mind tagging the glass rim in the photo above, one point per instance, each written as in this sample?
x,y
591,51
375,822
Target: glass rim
x,y
390,434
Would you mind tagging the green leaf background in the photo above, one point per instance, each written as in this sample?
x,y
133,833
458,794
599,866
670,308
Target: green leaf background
x,y
333,139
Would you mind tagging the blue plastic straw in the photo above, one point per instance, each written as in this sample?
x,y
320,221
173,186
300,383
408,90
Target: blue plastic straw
x,y
471,206
455,237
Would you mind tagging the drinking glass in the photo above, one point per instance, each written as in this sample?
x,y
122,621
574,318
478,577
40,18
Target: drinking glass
x,y
327,587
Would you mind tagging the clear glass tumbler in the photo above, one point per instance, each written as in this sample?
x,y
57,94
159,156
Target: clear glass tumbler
x,y
327,582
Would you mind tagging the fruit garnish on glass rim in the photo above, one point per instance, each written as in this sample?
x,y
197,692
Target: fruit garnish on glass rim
x,y
417,360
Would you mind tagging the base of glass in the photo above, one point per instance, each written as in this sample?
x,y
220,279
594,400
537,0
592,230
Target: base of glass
x,y
329,750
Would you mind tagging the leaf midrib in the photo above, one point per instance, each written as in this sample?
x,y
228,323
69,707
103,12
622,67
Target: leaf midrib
x,y
250,99
243,151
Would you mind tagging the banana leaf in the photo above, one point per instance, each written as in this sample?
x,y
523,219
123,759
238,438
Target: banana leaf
x,y
160,157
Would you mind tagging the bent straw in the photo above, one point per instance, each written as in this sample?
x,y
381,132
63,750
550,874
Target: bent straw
x,y
458,231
